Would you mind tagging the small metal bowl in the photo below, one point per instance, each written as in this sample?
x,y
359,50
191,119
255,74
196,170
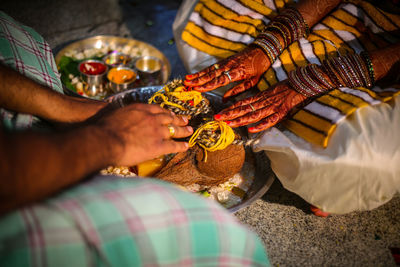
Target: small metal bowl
x,y
115,59
118,86
149,70
94,81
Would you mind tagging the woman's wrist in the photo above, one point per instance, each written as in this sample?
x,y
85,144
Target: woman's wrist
x,y
262,58
287,27
344,71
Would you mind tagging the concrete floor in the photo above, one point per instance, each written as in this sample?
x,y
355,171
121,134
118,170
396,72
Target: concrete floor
x,y
292,235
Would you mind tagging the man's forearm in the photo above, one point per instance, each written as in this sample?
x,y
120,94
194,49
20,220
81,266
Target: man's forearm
x,y
19,93
34,165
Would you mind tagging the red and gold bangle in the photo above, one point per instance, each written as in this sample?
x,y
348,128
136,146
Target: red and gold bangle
x,y
317,72
303,23
326,66
354,61
348,69
274,28
290,24
340,70
265,48
268,36
363,69
297,84
285,28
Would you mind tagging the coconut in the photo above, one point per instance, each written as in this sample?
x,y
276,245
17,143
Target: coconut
x,y
189,167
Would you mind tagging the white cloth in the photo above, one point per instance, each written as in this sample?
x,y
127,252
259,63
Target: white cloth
x,y
359,170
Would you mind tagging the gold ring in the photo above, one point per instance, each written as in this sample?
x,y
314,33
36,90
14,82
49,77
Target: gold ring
x,y
227,74
171,131
216,66
252,107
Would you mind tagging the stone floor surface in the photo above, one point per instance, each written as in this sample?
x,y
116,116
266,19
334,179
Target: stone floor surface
x,y
292,235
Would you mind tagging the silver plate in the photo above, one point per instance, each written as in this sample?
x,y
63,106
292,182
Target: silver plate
x,y
115,41
263,174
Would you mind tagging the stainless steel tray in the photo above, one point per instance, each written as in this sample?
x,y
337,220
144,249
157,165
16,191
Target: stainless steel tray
x,y
263,174
115,41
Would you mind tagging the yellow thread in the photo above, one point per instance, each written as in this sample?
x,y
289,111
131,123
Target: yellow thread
x,y
227,136
179,93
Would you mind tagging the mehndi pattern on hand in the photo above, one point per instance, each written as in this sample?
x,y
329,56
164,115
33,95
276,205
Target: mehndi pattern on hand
x,y
271,106
246,66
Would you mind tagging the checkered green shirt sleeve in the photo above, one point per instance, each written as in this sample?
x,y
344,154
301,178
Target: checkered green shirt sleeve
x,y
127,222
24,50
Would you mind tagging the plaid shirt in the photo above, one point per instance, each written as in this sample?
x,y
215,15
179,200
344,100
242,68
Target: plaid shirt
x,y
110,221
24,50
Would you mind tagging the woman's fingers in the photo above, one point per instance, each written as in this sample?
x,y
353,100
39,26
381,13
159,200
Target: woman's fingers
x,y
196,75
203,79
266,123
203,76
246,101
265,100
269,96
251,117
241,111
245,85
223,79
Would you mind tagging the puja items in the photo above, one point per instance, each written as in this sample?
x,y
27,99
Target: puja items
x,y
112,74
115,59
108,74
149,70
121,78
93,73
176,98
112,52
217,164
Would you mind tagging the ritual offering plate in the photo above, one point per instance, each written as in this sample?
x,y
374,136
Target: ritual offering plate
x,y
102,65
234,176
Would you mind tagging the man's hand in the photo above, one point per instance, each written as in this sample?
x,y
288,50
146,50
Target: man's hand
x,y
246,66
268,108
36,165
140,132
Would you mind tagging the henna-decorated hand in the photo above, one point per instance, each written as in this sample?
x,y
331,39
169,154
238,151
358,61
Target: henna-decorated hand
x,y
268,108
246,66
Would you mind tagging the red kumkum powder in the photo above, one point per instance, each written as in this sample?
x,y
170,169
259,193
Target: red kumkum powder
x,y
92,68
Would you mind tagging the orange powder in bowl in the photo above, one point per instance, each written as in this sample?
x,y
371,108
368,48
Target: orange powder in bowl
x,y
121,75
